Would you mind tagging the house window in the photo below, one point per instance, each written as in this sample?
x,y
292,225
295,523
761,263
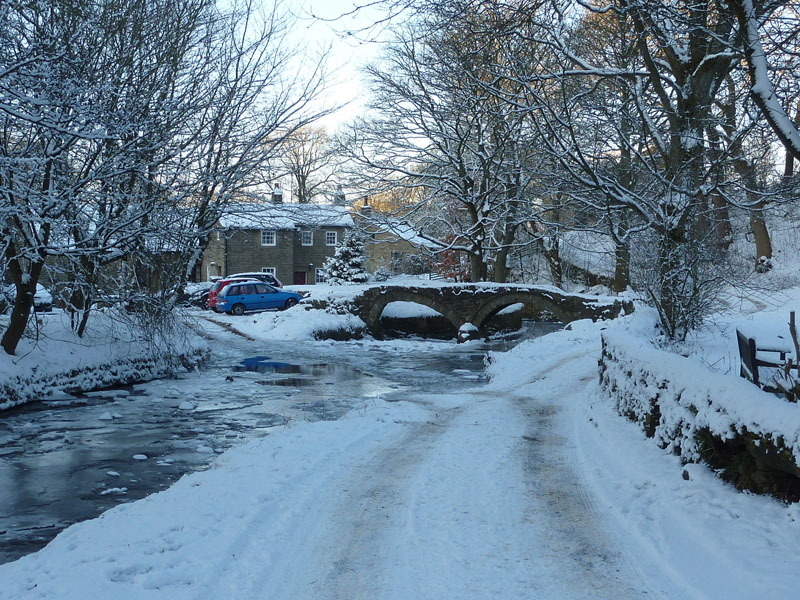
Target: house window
x,y
269,270
219,235
307,237
330,238
268,238
320,276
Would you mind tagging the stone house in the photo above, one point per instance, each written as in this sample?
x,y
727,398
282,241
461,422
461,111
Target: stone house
x,y
290,241
393,245
397,249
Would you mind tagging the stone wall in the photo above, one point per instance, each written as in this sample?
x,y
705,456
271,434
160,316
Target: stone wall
x,y
750,437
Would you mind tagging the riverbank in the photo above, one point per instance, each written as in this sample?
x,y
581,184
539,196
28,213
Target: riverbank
x,y
52,361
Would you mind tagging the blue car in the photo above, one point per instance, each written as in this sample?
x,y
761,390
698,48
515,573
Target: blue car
x,y
237,298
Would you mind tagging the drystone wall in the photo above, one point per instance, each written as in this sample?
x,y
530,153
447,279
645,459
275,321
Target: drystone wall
x,y
752,438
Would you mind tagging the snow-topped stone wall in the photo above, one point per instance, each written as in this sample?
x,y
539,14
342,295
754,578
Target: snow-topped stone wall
x,y
750,436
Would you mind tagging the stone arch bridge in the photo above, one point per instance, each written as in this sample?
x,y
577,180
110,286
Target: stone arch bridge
x,y
476,304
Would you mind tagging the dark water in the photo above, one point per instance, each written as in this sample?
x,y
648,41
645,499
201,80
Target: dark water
x,y
69,458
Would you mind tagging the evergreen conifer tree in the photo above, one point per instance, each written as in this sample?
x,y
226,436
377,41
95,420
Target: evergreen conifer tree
x,y
347,264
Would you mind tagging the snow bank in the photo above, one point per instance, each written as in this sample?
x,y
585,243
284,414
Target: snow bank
x,y
532,359
108,354
298,323
691,410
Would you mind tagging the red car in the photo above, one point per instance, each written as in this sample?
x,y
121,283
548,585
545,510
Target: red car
x,y
217,287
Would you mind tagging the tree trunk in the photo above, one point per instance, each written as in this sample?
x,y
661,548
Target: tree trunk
x,y
758,224
19,319
722,222
761,236
666,295
84,321
500,268
477,268
622,267
23,304
553,256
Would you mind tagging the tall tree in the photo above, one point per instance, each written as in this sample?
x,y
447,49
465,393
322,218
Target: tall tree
x,y
439,133
126,128
81,130
661,101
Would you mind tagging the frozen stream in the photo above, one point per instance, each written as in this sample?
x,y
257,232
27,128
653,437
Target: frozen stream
x,y
69,459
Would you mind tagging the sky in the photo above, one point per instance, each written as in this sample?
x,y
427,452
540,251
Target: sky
x,y
325,22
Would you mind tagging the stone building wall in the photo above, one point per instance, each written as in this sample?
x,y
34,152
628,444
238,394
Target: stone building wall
x,y
241,251
380,248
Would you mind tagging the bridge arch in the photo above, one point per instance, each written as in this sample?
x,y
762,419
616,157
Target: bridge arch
x,y
379,303
494,305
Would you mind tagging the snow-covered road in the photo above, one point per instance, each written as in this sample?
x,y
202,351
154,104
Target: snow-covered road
x,y
448,510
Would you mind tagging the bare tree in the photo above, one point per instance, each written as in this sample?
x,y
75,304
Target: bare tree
x,y
629,135
439,133
307,157
776,22
81,130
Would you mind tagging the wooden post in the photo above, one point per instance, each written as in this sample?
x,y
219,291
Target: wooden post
x,y
792,396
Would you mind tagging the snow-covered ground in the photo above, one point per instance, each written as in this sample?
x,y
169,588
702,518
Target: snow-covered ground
x,y
527,487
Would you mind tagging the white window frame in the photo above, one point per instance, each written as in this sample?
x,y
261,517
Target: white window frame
x,y
264,236
269,271
310,233
335,235
320,276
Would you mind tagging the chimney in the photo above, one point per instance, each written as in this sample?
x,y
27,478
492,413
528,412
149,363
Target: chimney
x,y
277,194
339,197
366,209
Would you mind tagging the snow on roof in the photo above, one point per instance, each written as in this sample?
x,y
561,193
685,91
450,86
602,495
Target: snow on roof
x,y
406,232
285,216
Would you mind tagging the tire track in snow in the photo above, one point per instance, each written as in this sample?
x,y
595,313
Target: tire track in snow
x,y
263,556
372,503
229,328
482,503
593,567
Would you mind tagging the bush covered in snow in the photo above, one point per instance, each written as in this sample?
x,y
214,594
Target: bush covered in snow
x,y
382,274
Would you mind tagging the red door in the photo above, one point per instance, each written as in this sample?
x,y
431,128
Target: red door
x,y
299,278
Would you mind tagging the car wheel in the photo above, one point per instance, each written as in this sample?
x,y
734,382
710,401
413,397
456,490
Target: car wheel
x,y
238,309
290,303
